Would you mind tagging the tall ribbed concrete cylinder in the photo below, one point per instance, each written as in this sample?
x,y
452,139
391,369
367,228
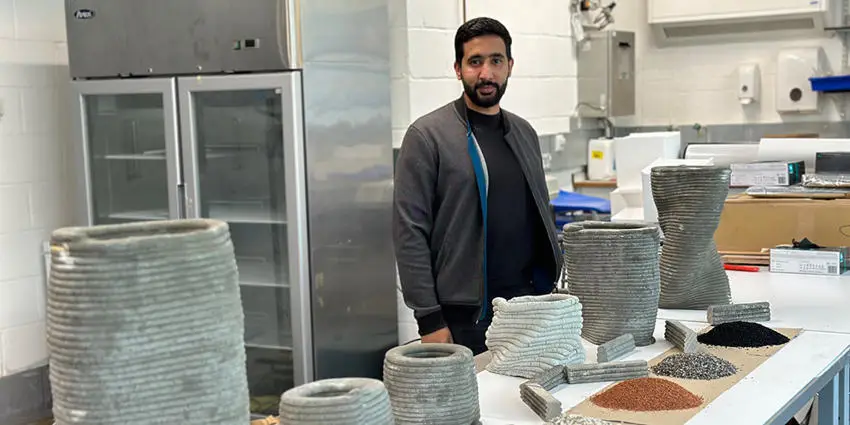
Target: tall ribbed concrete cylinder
x,y
689,200
613,270
145,325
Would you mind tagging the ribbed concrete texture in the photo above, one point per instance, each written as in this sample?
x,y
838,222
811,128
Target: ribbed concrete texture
x,y
341,401
689,200
549,379
749,312
540,401
145,325
681,336
604,372
432,384
531,334
613,269
615,348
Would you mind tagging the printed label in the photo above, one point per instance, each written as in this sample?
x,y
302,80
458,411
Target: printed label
x,y
596,154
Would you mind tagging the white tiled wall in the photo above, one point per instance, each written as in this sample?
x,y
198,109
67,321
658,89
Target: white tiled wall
x,y
33,195
697,84
541,89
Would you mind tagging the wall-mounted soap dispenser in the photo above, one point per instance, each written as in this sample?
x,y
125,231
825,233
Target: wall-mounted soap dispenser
x,y
749,83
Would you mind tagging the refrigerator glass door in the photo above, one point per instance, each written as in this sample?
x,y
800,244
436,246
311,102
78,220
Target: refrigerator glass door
x,y
243,153
128,142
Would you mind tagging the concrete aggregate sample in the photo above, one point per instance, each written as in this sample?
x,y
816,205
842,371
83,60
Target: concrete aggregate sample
x,y
615,348
341,401
702,366
532,334
550,379
604,372
571,419
647,395
749,312
433,384
689,200
681,336
742,334
613,269
540,401
145,325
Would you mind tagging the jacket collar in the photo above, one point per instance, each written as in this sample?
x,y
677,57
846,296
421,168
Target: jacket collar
x,y
460,109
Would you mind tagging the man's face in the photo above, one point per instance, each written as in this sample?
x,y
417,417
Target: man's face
x,y
484,70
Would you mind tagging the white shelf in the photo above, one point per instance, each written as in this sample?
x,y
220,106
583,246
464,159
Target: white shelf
x,y
134,157
258,273
246,213
141,215
231,213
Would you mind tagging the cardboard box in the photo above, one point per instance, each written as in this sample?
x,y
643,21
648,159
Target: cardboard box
x,y
749,224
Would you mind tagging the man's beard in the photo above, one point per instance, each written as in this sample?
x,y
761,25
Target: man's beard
x,y
485,101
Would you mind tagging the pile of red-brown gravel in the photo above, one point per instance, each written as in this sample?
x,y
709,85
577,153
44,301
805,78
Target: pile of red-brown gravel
x,y
647,395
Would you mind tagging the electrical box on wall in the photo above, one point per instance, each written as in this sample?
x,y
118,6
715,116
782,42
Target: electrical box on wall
x,y
606,75
794,67
677,21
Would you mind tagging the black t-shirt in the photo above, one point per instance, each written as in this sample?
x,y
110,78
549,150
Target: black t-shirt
x,y
512,213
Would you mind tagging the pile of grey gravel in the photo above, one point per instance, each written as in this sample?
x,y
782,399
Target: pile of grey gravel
x,y
571,419
700,366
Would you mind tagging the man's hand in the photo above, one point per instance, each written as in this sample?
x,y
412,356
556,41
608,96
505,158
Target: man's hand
x,y
442,336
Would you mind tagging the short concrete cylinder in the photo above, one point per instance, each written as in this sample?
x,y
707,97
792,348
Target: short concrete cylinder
x,y
613,269
145,324
340,401
432,384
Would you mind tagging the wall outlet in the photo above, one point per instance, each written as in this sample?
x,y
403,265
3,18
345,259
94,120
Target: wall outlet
x,y
547,161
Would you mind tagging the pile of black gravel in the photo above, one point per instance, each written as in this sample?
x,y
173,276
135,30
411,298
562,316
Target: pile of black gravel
x,y
742,334
694,366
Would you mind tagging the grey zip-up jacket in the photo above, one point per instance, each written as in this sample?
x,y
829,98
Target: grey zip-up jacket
x,y
437,217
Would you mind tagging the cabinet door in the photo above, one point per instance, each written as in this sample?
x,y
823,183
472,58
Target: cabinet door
x,y
127,132
243,153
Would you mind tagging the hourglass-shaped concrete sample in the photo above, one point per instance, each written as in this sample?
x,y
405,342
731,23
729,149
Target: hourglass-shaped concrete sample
x,y
613,269
615,348
432,383
145,325
689,200
340,401
681,336
605,372
531,334
540,401
749,312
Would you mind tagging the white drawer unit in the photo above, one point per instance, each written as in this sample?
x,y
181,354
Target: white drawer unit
x,y
679,21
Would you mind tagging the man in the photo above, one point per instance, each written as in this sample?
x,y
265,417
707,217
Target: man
x,y
471,219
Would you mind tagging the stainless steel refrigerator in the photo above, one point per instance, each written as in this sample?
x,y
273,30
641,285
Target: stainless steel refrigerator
x,y
272,115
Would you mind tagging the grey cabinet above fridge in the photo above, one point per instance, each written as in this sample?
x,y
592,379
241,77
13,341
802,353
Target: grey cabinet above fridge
x,y
293,152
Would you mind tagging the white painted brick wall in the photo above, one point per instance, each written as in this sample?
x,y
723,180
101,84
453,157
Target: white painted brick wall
x,y
33,196
542,88
697,84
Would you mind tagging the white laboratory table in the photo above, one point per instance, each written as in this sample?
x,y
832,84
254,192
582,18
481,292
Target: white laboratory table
x,y
815,303
816,362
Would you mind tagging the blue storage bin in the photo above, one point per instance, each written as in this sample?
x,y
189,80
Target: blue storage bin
x,y
570,206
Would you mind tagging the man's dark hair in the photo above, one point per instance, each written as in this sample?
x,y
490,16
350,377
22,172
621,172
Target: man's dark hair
x,y
478,27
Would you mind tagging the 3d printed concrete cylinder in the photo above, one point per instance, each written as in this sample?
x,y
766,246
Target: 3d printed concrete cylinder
x,y
531,334
432,384
341,401
613,270
689,200
145,325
